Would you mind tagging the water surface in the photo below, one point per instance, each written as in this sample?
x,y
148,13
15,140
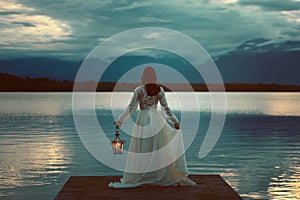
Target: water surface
x,y
258,153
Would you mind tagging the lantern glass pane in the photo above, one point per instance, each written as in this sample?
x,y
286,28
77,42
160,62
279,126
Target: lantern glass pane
x,y
118,147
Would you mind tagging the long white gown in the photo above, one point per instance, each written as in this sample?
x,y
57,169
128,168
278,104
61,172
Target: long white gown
x,y
156,151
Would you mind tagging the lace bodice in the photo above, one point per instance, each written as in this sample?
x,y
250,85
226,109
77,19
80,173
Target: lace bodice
x,y
146,102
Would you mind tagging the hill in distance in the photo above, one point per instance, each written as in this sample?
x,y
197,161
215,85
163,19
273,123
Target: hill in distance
x,y
11,83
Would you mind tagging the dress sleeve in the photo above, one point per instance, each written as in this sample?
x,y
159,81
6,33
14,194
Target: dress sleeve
x,y
163,102
131,108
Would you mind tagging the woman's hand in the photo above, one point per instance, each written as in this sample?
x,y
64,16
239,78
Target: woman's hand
x,y
118,124
177,125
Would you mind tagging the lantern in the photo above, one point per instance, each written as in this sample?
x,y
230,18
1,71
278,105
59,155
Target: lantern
x,y
117,144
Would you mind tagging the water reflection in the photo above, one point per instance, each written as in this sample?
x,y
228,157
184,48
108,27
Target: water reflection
x,y
287,184
36,103
253,145
32,155
276,103
257,154
271,103
285,104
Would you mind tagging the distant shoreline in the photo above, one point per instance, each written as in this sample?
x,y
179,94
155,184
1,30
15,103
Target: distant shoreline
x,y
11,83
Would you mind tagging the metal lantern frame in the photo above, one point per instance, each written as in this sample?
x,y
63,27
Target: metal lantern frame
x,y
117,143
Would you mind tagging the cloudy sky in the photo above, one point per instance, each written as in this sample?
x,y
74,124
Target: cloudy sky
x,y
70,29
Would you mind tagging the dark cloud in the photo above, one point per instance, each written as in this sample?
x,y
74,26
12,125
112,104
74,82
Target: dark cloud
x,y
9,13
27,24
78,26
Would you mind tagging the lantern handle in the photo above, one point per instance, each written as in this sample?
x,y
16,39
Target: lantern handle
x,y
117,134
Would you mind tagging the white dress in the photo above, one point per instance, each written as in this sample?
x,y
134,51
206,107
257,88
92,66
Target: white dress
x,y
156,151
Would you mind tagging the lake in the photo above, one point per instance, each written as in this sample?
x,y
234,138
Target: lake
x,y
258,152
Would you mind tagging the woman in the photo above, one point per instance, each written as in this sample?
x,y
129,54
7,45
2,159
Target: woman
x,y
156,152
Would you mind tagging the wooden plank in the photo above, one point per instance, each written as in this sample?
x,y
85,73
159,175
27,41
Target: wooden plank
x,y
209,187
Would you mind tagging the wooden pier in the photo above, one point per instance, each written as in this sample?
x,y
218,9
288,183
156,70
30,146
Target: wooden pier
x,y
209,187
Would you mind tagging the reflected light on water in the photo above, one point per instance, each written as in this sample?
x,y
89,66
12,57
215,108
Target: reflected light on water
x,y
279,106
32,159
40,149
286,185
35,103
271,103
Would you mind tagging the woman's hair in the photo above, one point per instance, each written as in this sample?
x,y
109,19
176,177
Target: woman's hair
x,y
149,76
149,79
